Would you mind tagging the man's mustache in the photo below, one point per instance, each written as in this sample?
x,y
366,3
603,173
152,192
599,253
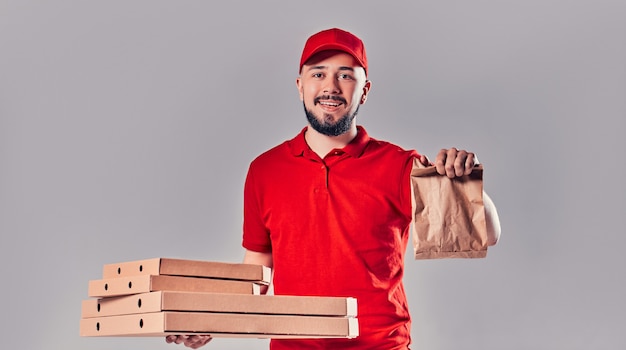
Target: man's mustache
x,y
329,97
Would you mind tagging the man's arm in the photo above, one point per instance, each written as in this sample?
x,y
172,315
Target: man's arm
x,y
258,258
492,220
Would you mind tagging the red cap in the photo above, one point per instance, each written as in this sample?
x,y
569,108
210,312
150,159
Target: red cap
x,y
335,39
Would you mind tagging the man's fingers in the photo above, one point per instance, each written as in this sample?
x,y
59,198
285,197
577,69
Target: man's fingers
x,y
197,341
463,163
181,339
453,162
470,163
440,161
424,160
190,341
170,338
458,163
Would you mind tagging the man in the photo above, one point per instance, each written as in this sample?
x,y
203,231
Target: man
x,y
330,210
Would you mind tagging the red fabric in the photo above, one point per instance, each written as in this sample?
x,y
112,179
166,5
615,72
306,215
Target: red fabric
x,y
334,39
336,226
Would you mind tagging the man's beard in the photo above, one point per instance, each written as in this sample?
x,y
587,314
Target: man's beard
x,y
326,126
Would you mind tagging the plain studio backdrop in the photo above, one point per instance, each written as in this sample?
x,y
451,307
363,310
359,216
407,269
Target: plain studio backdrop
x,y
126,129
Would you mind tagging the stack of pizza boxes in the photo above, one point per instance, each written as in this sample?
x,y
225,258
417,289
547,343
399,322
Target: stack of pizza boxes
x,y
162,296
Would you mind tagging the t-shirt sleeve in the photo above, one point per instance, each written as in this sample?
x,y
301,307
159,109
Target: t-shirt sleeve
x,y
255,233
406,182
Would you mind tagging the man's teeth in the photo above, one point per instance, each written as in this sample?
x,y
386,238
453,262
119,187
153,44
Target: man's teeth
x,y
330,104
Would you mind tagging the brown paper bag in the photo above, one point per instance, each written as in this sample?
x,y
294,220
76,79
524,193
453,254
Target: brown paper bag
x,y
448,214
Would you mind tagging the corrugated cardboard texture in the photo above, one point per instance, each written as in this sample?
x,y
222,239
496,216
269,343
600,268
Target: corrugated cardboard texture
x,y
149,283
185,267
216,324
219,302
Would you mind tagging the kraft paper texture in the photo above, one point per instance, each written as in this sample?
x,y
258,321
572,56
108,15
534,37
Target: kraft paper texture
x,y
448,214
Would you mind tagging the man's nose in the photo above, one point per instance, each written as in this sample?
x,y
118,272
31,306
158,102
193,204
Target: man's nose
x,y
332,86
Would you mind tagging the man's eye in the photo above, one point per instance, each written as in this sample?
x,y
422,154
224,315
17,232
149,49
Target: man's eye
x,y
317,75
345,76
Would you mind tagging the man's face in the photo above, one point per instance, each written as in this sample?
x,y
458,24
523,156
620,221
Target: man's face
x,y
332,85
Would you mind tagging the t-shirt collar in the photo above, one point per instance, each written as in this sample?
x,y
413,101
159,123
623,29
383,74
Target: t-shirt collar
x,y
355,148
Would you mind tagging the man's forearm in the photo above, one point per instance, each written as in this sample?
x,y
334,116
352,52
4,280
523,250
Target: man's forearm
x,y
492,220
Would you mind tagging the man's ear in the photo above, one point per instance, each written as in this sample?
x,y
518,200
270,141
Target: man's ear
x,y
366,90
299,86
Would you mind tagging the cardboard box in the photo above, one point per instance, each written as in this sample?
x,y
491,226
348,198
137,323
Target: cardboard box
x,y
220,324
184,267
149,283
219,302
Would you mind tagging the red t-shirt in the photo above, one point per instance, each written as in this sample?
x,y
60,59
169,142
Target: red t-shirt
x,y
336,226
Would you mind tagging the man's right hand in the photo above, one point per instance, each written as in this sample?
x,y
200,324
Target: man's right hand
x,y
190,341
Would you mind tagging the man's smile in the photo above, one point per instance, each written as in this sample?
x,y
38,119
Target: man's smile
x,y
329,102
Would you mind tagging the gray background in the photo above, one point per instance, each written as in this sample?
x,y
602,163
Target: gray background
x,y
126,129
